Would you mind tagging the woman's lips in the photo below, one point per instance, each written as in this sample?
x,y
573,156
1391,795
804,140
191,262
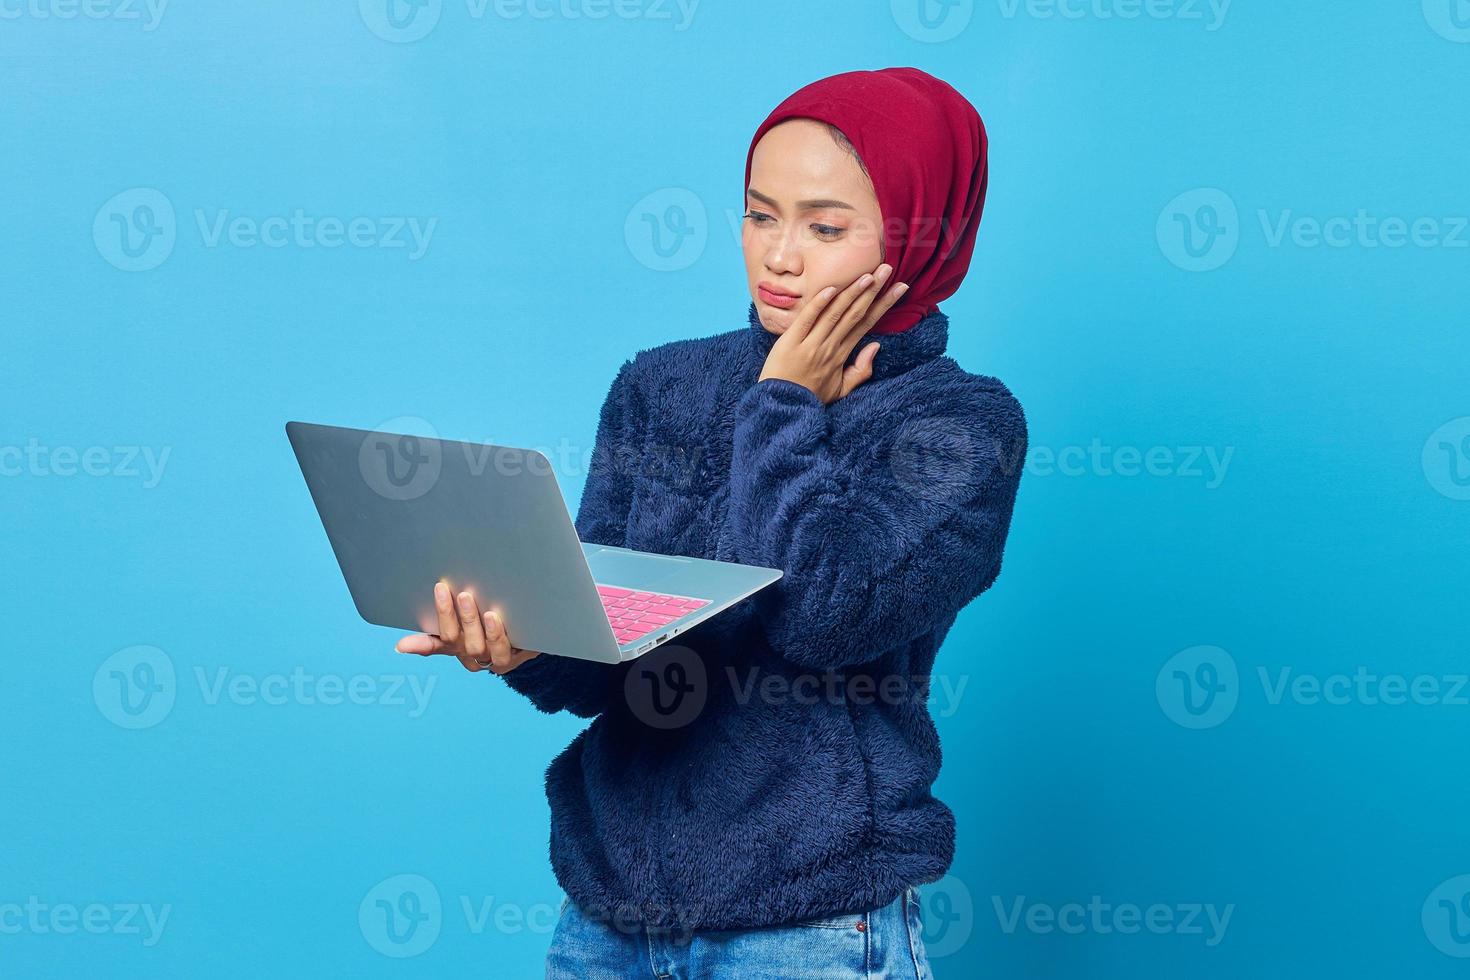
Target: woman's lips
x,y
778,300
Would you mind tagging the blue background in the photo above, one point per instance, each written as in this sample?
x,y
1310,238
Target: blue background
x,y
1078,763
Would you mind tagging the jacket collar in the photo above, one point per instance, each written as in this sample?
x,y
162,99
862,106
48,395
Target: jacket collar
x,y
897,352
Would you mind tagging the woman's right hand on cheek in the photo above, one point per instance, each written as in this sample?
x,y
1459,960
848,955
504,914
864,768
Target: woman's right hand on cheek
x,y
477,639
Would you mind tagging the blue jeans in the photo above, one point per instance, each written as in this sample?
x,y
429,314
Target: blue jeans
x,y
885,943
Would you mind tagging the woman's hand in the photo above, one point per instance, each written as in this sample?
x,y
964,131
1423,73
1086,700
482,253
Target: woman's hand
x,y
477,639
813,351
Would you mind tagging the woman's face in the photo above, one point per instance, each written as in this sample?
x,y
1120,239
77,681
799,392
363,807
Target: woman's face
x,y
811,221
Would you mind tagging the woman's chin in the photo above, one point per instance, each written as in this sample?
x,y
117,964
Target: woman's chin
x,y
774,319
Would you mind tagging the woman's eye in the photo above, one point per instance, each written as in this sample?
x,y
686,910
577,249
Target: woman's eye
x,y
824,231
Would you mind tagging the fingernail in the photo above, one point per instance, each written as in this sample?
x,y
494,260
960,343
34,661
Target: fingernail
x,y
884,271
441,594
466,604
901,288
492,623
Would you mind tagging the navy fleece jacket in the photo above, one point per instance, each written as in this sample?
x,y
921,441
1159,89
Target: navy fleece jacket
x,y
794,782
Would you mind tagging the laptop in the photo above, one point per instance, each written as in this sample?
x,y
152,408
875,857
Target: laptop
x,y
403,512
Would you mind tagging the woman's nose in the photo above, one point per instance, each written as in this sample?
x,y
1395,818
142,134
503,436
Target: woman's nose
x,y
783,253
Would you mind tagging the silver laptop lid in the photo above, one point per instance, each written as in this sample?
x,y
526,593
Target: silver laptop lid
x,y
403,512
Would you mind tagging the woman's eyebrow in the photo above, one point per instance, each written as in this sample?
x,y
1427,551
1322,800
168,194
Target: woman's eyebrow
x,y
800,205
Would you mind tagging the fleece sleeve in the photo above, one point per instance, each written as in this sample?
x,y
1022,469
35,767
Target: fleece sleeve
x,y
880,542
583,687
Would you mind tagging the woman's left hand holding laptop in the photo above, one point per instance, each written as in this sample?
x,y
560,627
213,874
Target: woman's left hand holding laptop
x,y
477,639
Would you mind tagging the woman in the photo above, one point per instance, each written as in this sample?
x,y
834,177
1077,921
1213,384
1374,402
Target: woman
x,y
782,826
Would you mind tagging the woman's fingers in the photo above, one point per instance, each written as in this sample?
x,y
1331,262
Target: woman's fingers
x,y
882,306
837,320
471,650
809,313
855,327
474,663
835,311
477,640
502,657
499,649
424,644
858,319
860,370
449,630
472,630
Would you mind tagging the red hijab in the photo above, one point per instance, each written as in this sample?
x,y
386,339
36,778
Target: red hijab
x,y
924,147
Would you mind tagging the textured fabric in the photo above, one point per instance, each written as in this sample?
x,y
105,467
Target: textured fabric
x,y
789,784
886,943
925,149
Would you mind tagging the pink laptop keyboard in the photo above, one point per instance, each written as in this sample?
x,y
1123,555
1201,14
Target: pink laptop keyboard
x,y
636,614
